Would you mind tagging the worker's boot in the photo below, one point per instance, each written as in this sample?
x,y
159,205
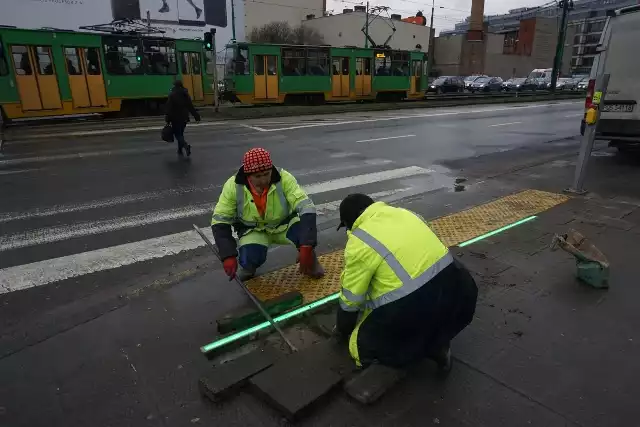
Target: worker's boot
x,y
245,274
443,359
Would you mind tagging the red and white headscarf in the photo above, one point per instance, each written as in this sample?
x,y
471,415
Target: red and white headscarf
x,y
256,160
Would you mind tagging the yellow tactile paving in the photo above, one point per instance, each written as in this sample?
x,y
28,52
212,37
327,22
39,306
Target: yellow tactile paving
x,y
452,229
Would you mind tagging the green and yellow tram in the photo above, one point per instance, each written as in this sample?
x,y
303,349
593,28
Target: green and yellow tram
x,y
272,74
54,73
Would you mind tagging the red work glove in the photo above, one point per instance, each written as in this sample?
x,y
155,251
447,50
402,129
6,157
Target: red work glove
x,y
306,259
230,266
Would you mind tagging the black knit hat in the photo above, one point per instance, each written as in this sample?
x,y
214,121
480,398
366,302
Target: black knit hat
x,y
352,207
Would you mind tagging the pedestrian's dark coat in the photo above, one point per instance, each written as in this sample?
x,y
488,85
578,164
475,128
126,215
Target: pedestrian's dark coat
x,y
179,105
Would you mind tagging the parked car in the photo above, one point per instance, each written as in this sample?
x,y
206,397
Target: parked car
x,y
446,84
565,84
582,84
543,84
487,84
468,81
520,84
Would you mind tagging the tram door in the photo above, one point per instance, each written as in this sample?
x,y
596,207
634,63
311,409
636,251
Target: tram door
x,y
265,77
192,74
363,76
36,77
340,81
416,76
85,77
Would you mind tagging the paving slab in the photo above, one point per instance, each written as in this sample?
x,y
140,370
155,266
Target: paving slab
x,y
372,383
222,380
298,381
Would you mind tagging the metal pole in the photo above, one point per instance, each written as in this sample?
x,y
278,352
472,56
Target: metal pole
x,y
557,60
366,28
233,22
248,293
430,53
600,91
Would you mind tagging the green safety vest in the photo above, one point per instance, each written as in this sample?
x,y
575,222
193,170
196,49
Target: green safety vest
x,y
390,253
286,200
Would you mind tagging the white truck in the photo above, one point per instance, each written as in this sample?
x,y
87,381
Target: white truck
x,y
618,56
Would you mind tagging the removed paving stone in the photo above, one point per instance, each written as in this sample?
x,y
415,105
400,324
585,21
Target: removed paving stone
x,y
249,316
222,380
372,383
298,381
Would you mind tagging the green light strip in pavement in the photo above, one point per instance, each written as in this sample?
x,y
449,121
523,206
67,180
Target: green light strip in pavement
x,y
229,339
494,232
238,335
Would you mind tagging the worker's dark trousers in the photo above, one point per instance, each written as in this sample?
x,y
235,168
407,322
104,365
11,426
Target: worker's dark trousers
x,y
420,324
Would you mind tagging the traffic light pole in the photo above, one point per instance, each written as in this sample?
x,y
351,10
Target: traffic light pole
x,y
430,53
233,22
562,33
366,28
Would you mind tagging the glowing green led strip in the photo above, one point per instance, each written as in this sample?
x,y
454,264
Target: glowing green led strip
x,y
494,232
242,334
229,339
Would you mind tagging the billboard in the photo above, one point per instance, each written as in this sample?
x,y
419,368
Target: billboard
x,y
186,19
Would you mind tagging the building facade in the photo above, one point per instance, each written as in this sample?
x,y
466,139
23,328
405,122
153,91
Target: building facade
x,y
511,52
345,29
258,13
586,22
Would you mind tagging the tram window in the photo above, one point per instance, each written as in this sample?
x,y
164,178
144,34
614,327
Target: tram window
x,y
123,55
73,61
272,66
196,65
293,62
210,59
258,65
160,57
318,62
400,64
383,66
21,60
43,58
92,61
4,69
241,67
366,65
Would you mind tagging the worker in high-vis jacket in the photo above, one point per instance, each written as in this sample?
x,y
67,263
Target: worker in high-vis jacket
x,y
403,297
265,206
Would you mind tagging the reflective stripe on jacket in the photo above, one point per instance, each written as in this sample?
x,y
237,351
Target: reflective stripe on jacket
x,y
286,201
390,253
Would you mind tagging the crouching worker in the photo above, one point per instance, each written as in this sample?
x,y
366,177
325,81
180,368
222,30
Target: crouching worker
x,y
403,296
265,206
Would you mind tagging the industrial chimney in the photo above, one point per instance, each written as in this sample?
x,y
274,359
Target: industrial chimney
x,y
476,22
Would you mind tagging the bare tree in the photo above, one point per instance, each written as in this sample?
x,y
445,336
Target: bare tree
x,y
283,33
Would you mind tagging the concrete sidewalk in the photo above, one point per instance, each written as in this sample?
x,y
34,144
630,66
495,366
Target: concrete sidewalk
x,y
543,349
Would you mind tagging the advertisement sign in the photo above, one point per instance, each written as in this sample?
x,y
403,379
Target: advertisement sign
x,y
186,19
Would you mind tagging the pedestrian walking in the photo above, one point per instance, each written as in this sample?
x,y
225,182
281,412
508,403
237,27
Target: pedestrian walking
x,y
403,296
178,108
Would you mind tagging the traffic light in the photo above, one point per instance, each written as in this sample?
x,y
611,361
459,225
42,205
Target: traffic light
x,y
208,39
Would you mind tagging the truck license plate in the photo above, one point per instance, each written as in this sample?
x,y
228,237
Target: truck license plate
x,y
618,108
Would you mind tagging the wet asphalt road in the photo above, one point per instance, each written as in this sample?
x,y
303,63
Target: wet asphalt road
x,y
89,223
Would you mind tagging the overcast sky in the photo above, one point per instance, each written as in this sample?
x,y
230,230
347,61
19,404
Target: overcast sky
x,y
448,12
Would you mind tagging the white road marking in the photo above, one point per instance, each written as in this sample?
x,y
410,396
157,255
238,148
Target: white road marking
x,y
505,124
385,138
154,195
118,130
54,270
413,116
259,129
369,178
575,115
13,172
42,236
